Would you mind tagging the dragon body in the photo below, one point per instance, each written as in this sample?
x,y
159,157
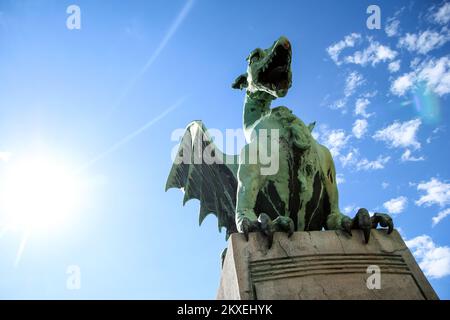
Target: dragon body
x,y
301,195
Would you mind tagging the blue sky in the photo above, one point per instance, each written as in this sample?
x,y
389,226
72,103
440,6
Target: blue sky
x,y
104,100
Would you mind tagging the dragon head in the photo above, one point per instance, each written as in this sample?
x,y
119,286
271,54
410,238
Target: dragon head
x,y
268,70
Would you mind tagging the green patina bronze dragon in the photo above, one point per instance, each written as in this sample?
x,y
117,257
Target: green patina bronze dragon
x,y
301,195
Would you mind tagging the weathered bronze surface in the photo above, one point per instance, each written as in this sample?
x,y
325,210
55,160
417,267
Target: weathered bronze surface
x,y
301,195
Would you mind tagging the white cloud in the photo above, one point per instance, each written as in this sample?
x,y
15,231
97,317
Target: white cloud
x,y
396,205
339,104
5,156
353,81
434,134
350,158
384,185
391,28
394,66
436,192
340,179
402,84
434,260
414,62
442,16
436,74
441,215
377,164
315,135
349,209
406,156
359,128
400,134
373,54
436,130
360,107
335,49
370,94
400,230
335,140
424,41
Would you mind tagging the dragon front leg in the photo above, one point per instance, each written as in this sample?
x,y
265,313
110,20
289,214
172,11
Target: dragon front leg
x,y
246,219
250,182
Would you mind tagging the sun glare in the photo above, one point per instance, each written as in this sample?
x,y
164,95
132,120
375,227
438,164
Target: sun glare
x,y
38,194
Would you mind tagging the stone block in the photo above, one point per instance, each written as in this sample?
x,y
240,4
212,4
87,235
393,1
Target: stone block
x,y
321,265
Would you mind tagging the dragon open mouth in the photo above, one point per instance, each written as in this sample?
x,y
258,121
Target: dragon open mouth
x,y
275,73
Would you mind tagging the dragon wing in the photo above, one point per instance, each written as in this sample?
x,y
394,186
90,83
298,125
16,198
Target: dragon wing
x,y
214,184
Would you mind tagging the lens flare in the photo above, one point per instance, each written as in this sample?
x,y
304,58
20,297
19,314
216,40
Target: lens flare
x,y
426,104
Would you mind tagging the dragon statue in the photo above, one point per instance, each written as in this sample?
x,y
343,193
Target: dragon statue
x,y
301,195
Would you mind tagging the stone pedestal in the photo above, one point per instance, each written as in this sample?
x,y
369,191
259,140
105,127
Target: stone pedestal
x,y
322,265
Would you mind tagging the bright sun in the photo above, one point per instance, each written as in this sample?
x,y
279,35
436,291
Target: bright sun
x,y
38,194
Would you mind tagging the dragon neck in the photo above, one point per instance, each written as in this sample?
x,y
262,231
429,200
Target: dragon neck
x,y
256,104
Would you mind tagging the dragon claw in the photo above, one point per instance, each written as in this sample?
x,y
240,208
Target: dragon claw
x,y
285,224
269,227
248,226
363,222
245,231
266,227
346,225
366,234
